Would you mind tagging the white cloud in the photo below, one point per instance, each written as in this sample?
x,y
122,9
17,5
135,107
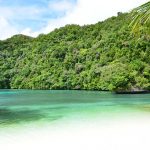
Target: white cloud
x,y
21,12
83,12
92,11
29,32
63,5
6,30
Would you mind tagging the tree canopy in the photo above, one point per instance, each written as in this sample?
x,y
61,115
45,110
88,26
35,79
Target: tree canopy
x,y
103,56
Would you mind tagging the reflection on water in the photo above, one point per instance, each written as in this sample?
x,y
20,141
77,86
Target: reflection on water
x,y
23,106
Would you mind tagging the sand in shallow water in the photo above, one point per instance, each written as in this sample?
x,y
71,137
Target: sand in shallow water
x,y
127,133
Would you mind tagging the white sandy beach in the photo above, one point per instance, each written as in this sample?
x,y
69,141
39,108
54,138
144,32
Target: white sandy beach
x,y
125,133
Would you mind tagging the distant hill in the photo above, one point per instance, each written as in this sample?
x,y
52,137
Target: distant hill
x,y
104,56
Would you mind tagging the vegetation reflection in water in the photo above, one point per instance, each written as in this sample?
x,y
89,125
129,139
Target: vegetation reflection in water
x,y
23,106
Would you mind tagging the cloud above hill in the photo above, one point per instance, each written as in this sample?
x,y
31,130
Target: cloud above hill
x,y
32,17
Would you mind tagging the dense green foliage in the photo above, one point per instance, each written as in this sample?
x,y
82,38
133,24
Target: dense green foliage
x,y
104,56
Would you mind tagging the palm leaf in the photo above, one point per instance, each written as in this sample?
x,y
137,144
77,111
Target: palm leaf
x,y
140,16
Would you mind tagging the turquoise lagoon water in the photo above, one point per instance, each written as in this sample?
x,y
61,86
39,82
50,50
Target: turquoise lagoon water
x,y
32,106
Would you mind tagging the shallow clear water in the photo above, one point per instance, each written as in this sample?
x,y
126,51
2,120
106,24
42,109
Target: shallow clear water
x,y
27,106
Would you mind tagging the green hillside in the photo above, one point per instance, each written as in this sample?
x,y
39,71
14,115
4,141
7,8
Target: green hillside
x,y
104,56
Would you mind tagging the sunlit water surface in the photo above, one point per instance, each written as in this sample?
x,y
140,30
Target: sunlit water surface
x,y
19,107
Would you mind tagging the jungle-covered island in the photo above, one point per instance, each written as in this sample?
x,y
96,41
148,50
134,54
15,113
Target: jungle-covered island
x,y
101,56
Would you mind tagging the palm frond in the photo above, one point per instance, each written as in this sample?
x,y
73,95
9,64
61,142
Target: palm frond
x,y
140,16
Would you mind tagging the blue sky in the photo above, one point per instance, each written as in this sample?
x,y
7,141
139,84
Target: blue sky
x,y
32,13
32,17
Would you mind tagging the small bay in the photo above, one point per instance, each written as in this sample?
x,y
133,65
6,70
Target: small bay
x,y
19,107
47,119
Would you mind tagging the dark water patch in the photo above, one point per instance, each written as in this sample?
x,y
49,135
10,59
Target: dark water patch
x,y
8,116
20,115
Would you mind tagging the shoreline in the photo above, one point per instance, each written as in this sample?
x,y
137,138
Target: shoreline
x,y
113,92
122,133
